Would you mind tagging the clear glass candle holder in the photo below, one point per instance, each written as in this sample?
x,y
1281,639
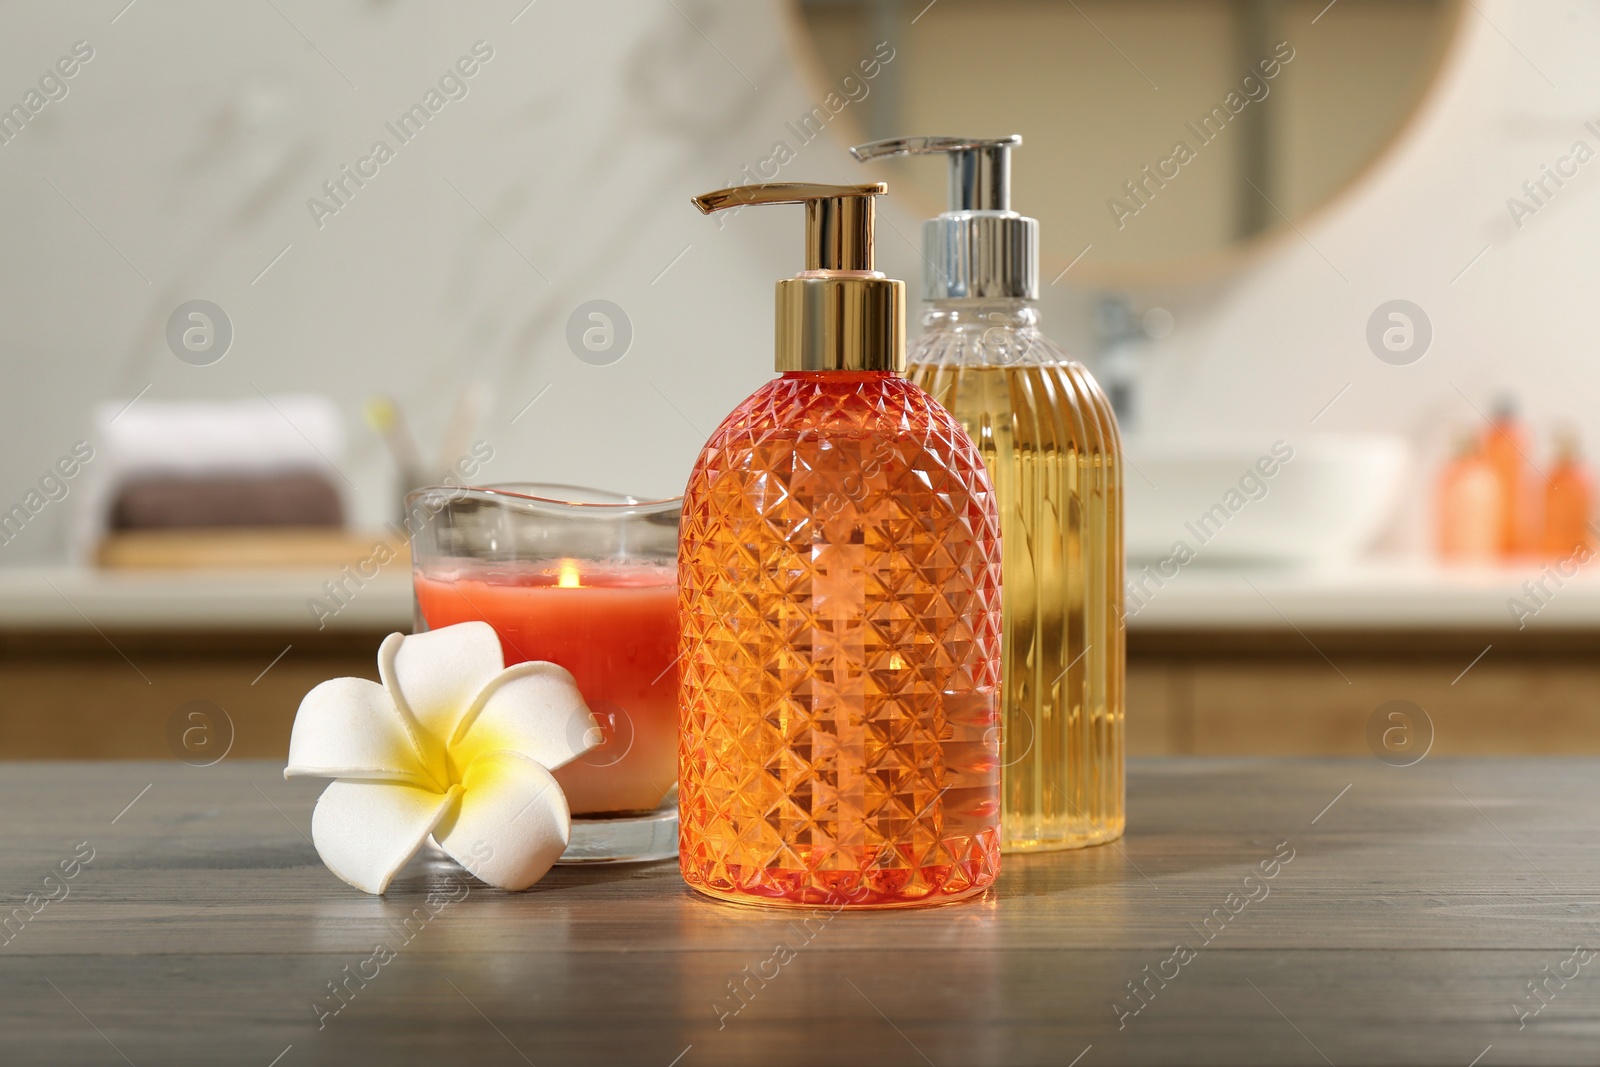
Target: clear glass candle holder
x,y
586,579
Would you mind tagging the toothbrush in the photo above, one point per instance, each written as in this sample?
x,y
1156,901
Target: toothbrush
x,y
469,411
384,417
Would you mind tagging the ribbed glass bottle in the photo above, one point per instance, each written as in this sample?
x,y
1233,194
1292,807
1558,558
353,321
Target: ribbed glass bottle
x,y
1049,439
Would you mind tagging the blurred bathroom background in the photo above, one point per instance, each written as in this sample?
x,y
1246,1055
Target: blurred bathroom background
x,y
268,265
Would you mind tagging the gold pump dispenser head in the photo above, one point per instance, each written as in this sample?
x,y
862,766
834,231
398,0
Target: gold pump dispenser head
x,y
839,313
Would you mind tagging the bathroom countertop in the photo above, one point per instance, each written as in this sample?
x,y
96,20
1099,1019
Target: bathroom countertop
x,y
1389,595
1367,595
53,597
1333,910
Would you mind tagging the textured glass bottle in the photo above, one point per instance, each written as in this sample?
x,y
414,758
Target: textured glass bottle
x,y
839,573
1048,436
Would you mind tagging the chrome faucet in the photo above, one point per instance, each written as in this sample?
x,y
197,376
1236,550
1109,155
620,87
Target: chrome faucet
x,y
1120,333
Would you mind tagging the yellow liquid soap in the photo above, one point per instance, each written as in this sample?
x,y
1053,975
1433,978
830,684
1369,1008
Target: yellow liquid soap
x,y
1048,437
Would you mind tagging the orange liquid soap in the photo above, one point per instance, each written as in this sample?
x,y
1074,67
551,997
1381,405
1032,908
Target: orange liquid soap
x,y
1505,446
839,596
839,573
1471,509
616,630
1569,506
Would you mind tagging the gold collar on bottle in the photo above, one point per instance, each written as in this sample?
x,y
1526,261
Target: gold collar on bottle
x,y
840,313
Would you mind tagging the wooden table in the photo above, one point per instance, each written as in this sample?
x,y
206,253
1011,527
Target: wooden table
x,y
1417,907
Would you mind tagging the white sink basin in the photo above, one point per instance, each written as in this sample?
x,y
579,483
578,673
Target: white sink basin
x,y
1235,501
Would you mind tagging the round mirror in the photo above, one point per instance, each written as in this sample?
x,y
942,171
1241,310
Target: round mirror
x,y
1161,138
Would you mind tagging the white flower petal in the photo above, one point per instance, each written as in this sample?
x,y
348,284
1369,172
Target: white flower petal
x,y
512,823
350,728
532,708
365,831
435,676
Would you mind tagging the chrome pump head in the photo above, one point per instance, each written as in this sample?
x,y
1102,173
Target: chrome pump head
x,y
979,248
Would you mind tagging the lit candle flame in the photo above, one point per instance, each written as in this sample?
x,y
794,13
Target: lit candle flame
x,y
569,576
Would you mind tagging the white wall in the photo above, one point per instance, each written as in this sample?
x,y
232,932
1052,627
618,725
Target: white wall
x,y
1267,350
195,136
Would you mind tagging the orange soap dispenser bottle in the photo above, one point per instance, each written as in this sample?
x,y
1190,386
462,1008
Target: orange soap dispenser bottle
x,y
839,594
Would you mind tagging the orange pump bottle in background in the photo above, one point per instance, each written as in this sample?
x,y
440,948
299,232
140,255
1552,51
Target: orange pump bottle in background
x,y
1505,447
1470,507
1569,502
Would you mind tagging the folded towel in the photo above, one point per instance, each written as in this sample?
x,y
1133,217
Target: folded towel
x,y
290,498
224,441
259,434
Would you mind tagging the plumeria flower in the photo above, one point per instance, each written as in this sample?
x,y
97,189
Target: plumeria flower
x,y
452,743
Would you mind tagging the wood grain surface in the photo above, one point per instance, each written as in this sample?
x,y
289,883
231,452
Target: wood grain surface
x,y
1419,908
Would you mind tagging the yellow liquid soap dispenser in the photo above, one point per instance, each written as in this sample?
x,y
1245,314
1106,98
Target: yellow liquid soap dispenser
x,y
1048,435
839,595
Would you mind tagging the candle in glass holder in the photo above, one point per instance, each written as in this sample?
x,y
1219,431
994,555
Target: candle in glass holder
x,y
586,579
615,627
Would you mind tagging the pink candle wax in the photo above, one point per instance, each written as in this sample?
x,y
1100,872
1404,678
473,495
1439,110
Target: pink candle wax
x,y
616,629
